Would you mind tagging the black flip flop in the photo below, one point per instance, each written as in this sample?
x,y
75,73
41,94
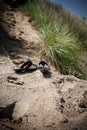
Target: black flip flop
x,y
26,67
43,67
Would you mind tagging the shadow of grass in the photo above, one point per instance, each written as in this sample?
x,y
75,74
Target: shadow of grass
x,y
8,42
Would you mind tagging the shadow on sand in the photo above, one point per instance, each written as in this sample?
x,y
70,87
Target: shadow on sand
x,y
7,111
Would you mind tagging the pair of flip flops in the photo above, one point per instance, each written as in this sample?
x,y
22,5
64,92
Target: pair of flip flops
x,y
28,66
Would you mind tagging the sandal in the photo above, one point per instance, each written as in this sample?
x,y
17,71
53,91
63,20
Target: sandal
x,y
43,67
25,67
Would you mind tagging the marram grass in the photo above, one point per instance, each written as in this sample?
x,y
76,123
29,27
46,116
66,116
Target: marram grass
x,y
64,36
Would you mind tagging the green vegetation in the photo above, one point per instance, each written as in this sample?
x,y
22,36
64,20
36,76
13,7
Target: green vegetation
x,y
64,36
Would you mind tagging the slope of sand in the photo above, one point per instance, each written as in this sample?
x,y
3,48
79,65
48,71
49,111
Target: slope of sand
x,y
33,101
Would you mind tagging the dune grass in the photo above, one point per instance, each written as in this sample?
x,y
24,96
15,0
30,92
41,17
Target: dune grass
x,y
64,35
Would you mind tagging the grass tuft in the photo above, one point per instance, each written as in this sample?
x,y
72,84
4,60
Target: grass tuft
x,y
64,35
